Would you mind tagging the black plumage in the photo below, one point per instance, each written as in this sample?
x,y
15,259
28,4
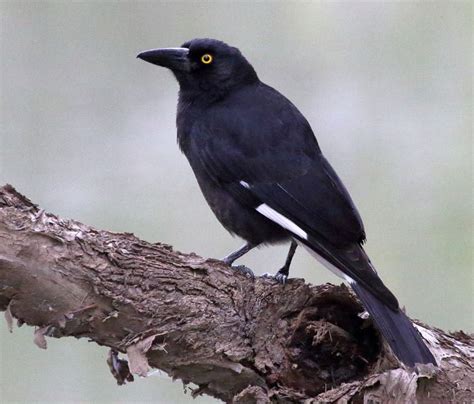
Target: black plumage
x,y
262,172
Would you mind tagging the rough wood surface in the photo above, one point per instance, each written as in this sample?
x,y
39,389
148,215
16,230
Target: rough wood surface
x,y
238,339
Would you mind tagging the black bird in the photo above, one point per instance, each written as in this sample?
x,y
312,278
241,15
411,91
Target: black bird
x,y
264,176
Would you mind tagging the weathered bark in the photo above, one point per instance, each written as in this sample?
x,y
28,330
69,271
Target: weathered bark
x,y
239,339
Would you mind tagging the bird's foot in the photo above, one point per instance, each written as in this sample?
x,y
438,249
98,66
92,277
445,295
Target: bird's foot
x,y
244,270
281,276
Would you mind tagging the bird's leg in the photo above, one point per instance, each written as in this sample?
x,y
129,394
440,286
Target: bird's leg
x,y
229,260
282,274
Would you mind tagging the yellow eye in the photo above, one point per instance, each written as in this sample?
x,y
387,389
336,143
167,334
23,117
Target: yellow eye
x,y
206,58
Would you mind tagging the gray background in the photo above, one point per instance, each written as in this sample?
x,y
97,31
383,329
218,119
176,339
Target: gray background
x,y
88,132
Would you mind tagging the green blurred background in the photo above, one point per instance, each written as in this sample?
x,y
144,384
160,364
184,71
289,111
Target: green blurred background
x,y
88,132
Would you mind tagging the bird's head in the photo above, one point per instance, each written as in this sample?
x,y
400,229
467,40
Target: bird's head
x,y
204,66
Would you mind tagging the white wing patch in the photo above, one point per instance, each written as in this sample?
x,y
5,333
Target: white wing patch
x,y
284,222
278,218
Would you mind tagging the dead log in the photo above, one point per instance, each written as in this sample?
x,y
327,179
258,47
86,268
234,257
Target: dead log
x,y
239,339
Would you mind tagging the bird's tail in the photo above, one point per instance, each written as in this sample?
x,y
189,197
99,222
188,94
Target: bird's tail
x,y
397,328
353,264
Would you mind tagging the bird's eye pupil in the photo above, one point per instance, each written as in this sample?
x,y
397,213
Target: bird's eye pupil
x,y
206,58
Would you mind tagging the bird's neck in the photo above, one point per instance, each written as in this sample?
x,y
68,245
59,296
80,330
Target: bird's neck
x,y
191,107
188,111
195,103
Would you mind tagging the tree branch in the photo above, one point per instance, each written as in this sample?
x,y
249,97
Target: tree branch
x,y
239,339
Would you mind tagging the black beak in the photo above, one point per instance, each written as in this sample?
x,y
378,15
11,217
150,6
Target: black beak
x,y
172,58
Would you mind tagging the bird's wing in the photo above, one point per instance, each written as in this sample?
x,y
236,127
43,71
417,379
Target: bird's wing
x,y
271,162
